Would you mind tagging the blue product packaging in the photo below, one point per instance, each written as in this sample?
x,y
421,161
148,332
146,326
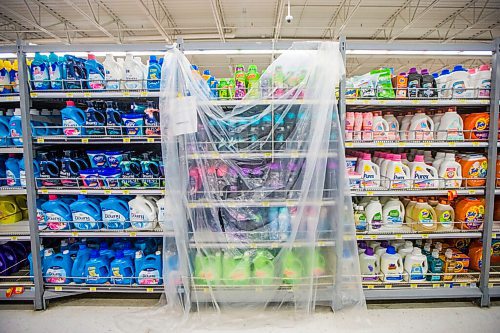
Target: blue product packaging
x,y
90,177
114,158
94,120
110,177
98,158
134,123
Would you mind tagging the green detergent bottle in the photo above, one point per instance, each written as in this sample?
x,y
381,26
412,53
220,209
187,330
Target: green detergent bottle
x,y
207,268
236,268
291,267
222,88
253,82
319,263
263,268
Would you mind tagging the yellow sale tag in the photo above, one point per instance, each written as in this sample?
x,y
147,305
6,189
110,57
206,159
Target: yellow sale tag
x,y
74,234
289,203
472,191
371,286
274,245
108,192
149,290
402,144
494,235
205,290
45,191
85,140
447,285
490,285
380,144
415,101
144,93
373,236
87,94
69,94
265,204
295,154
425,235
398,236
475,144
126,93
150,140
258,289
126,192
434,101
93,289
132,234
253,245
321,243
413,285
10,98
126,140
215,155
369,194
359,237
349,144
83,191
436,285
388,286
33,94
463,284
427,144
243,155
40,140
462,101
268,154
57,288
13,238
452,144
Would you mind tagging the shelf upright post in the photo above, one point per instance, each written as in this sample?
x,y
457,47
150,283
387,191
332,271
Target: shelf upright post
x,y
25,102
491,177
342,88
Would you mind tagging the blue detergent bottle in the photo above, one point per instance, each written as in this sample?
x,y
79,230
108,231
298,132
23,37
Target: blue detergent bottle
x,y
70,170
73,120
55,71
12,172
131,172
78,272
49,170
146,245
113,120
148,269
57,267
15,128
106,252
95,120
122,269
5,139
115,213
154,74
3,171
40,214
150,171
97,269
128,251
30,260
95,73
22,171
86,214
57,213
40,72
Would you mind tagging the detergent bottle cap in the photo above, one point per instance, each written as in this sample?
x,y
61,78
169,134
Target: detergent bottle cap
x,y
389,156
94,254
369,251
435,75
416,251
412,70
445,72
64,243
448,254
427,247
48,252
402,74
408,244
435,253
91,56
391,250
459,68
81,196
425,71
472,71
367,157
70,103
152,59
158,253
138,254
396,158
419,158
119,254
404,156
65,252
52,197
206,72
484,67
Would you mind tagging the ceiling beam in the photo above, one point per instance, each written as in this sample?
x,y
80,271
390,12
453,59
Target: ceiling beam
x,y
392,19
280,11
111,14
333,19
479,20
92,20
347,19
155,22
414,19
20,17
219,18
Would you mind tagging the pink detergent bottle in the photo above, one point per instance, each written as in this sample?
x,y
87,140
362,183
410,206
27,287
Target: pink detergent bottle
x,y
358,125
367,126
349,126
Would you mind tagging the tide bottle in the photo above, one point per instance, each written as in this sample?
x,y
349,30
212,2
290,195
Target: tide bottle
x,y
397,173
391,265
415,266
449,266
370,265
445,215
450,172
370,172
474,168
469,211
423,175
423,217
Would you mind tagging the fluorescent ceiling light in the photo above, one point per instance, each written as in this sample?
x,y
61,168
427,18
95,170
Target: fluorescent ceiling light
x,y
101,54
7,55
223,52
404,52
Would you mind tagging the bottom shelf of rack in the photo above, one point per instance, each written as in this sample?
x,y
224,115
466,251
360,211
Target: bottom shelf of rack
x,y
17,293
449,290
61,290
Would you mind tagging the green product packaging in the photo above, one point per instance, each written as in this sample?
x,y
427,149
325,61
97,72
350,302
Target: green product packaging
x,y
207,268
236,268
263,268
291,267
384,83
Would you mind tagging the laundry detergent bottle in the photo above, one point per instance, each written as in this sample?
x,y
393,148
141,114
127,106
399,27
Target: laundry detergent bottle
x,y
143,213
86,214
422,174
391,265
423,217
263,268
393,213
154,74
78,272
12,172
57,267
73,120
451,127
115,213
415,266
370,172
450,172
122,269
15,128
370,265
97,269
148,270
421,127
57,213
445,215
374,215
397,174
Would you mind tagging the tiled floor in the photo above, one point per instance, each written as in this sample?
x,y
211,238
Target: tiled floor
x,y
145,316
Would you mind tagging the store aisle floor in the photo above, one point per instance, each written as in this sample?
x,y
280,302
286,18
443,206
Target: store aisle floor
x,y
141,316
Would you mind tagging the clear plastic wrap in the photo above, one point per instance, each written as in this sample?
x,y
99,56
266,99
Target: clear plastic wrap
x,y
257,188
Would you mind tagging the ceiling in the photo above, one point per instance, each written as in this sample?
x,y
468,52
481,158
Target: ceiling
x,y
164,21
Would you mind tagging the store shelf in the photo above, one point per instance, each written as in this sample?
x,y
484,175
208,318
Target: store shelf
x,y
19,231
403,144
6,190
11,150
105,233
417,102
448,290
23,293
256,203
118,139
215,155
93,94
248,244
415,192
90,191
414,235
247,102
60,290
9,99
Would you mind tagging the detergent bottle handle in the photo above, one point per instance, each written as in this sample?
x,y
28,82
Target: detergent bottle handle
x,y
376,168
432,170
123,204
13,206
53,164
95,206
431,123
66,208
406,169
152,207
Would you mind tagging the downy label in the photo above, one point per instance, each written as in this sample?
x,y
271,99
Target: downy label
x,y
113,219
70,127
22,177
83,217
11,178
149,276
55,274
40,217
55,222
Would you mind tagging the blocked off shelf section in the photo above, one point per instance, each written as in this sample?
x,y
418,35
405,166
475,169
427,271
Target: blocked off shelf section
x,y
255,255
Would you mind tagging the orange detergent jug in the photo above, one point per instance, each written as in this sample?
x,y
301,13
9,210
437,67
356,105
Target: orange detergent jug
x,y
475,255
474,168
498,171
476,125
496,213
469,212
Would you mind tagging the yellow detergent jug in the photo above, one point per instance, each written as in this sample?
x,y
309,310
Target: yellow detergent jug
x,y
9,211
423,217
23,205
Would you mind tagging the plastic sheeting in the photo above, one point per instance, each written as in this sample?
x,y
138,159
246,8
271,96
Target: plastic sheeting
x,y
257,191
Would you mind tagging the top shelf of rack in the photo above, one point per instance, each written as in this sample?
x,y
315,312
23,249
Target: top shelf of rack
x,y
417,102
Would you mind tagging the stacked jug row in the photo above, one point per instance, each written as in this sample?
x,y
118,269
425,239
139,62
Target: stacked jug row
x,y
417,126
93,213
9,78
13,257
99,169
395,171
389,214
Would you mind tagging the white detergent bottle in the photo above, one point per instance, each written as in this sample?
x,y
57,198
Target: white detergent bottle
x,y
383,169
380,127
369,171
438,159
397,174
405,126
415,265
391,265
374,215
442,83
423,175
393,133
393,214
428,157
143,213
436,118
451,127
445,215
369,264
421,127
483,81
404,159
450,172
405,250
398,243
459,83
112,72
132,73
